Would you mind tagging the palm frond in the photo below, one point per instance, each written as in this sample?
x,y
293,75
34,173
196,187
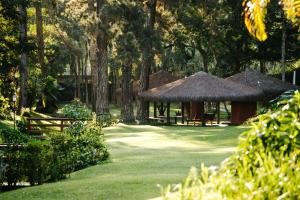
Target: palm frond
x,y
254,13
292,11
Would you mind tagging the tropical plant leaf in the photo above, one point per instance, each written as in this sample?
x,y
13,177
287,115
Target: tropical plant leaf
x,y
254,13
292,11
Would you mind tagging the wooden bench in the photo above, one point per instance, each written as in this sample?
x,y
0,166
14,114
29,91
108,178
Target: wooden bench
x,y
207,117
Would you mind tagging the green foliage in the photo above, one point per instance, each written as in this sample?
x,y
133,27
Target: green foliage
x,y
266,165
51,160
77,148
36,157
49,96
4,106
61,163
22,125
13,136
76,110
106,120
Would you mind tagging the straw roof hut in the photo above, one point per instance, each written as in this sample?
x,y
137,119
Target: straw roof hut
x,y
202,87
271,86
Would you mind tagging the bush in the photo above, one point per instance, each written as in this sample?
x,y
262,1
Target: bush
x,y
13,136
39,161
22,125
36,156
4,107
76,128
76,110
62,162
106,120
266,166
77,148
89,148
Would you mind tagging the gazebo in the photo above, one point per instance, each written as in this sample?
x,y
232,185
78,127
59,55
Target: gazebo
x,y
271,87
202,87
155,80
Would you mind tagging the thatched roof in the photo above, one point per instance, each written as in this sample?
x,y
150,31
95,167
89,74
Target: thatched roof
x,y
271,86
202,87
155,80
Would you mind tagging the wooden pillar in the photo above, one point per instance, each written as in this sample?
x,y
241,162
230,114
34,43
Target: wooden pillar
x,y
155,110
148,109
168,113
218,110
182,112
202,113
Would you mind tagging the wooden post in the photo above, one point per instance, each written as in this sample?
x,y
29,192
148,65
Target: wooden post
x,y
202,113
148,110
168,113
182,112
218,110
62,125
155,110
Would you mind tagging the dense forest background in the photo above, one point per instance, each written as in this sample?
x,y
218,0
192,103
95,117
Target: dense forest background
x,y
93,47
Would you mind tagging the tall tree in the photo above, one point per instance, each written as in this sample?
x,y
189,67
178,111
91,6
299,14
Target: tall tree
x,y
40,36
93,49
24,57
143,107
102,105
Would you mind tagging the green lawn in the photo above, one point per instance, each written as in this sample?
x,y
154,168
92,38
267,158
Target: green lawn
x,y
141,158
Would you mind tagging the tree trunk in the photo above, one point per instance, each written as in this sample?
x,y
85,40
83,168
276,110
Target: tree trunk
x,y
102,105
205,60
283,39
146,63
93,51
127,107
24,58
86,77
262,65
40,37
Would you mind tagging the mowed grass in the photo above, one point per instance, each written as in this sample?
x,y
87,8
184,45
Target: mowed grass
x,y
141,158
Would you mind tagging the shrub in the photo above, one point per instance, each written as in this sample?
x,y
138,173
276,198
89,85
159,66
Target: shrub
x,y
76,128
62,163
76,110
76,149
89,148
22,125
4,106
14,171
39,161
266,166
106,120
37,155
13,136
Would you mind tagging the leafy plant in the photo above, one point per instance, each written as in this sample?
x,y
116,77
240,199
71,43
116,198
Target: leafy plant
x,y
4,106
255,14
106,120
266,165
13,136
76,128
36,156
49,96
22,125
76,110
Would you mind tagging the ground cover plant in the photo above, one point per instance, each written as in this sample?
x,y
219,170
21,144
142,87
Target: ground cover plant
x,y
141,158
266,165
30,160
